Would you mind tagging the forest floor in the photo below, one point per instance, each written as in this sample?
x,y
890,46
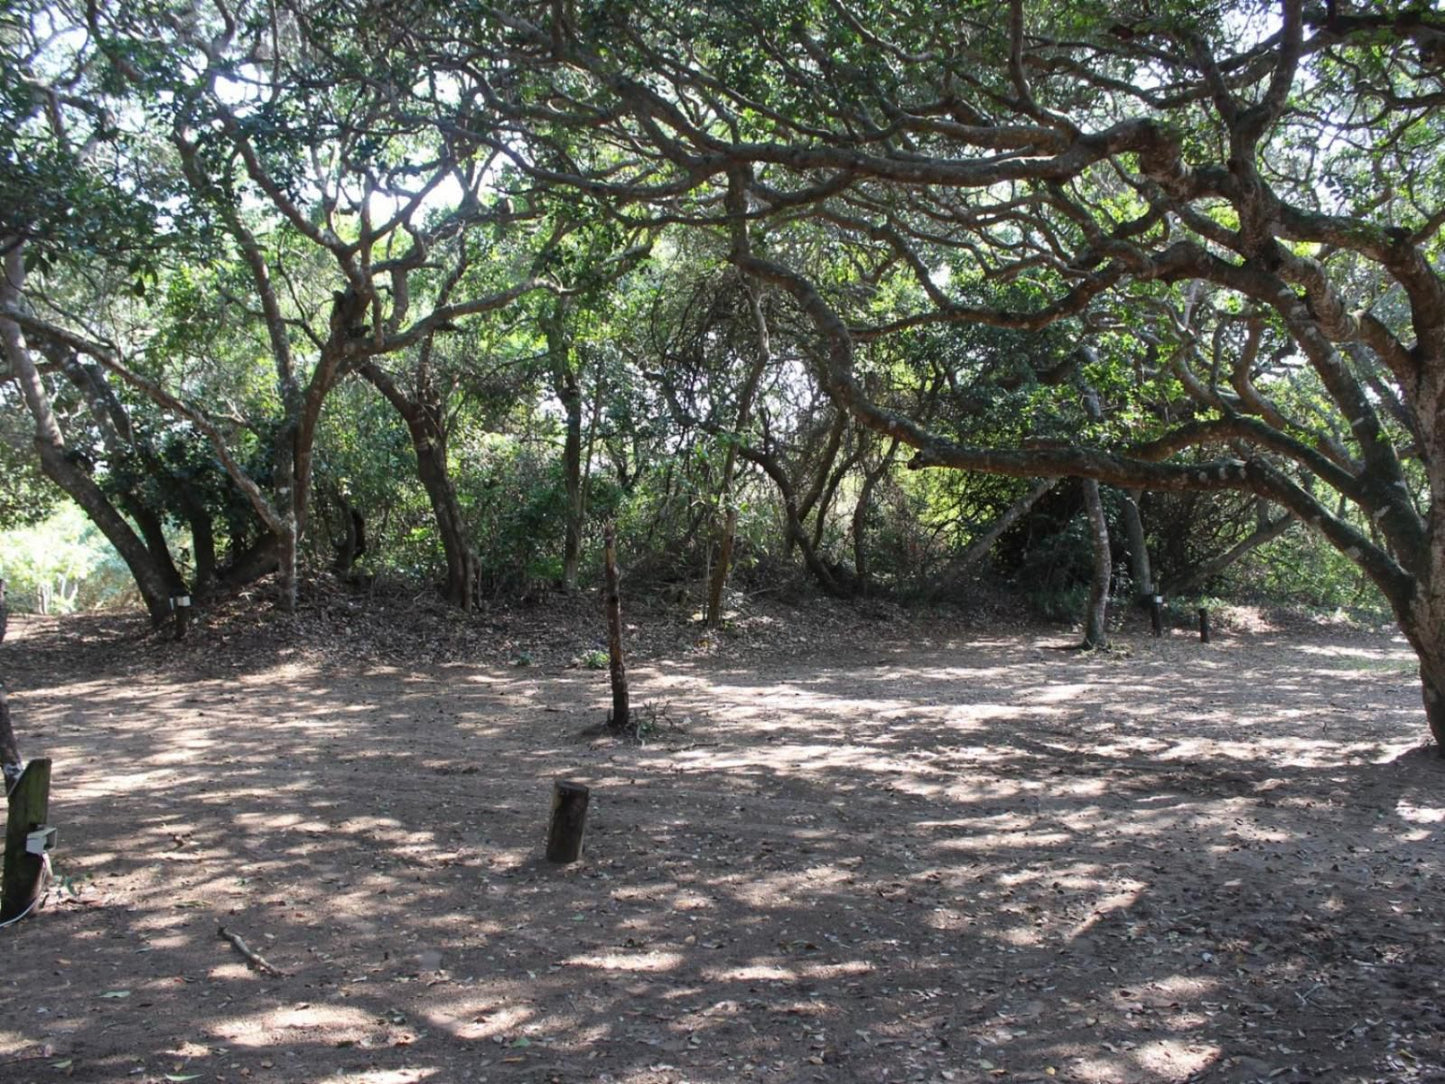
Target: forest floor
x,y
855,845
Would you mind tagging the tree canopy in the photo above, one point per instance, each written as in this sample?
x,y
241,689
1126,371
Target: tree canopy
x,y
1172,248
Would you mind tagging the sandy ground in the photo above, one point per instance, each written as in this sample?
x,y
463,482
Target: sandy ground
x,y
849,850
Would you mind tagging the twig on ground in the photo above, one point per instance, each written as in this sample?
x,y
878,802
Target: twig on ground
x,y
255,959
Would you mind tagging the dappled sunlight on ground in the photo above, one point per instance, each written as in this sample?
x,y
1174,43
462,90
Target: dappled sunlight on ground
x,y
974,860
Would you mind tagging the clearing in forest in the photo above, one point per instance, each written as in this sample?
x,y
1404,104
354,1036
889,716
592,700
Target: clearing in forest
x,y
850,850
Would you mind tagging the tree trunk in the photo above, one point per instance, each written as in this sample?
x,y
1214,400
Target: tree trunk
x,y
1096,617
717,582
203,546
1267,531
287,561
568,390
353,537
1140,571
58,465
10,760
429,443
794,534
1421,616
983,544
571,396
253,562
861,510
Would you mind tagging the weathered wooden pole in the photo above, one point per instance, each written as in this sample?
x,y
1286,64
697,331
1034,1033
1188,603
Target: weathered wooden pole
x,y
617,664
1156,614
569,821
29,804
1203,625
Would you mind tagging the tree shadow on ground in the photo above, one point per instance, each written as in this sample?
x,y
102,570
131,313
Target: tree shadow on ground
x,y
976,861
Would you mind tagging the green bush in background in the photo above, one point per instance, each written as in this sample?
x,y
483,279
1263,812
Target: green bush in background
x,y
62,564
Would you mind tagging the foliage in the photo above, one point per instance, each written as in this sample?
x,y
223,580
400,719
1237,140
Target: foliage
x,y
680,263
62,564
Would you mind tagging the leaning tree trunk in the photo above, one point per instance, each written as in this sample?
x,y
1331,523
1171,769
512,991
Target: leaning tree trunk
x,y
59,467
1096,618
1267,531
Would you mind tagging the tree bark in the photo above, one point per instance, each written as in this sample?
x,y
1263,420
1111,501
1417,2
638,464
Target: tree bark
x,y
429,443
1140,571
1267,531
717,582
1096,616
567,388
58,465
861,511
353,537
981,546
10,761
203,545
252,562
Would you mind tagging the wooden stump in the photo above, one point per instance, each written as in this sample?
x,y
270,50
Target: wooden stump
x,y
24,872
1203,625
569,821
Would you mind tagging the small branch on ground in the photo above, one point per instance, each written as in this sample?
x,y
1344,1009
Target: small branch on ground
x,y
255,959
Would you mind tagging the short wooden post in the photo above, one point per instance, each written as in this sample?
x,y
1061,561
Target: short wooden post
x,y
181,604
1203,625
569,821
1156,614
24,872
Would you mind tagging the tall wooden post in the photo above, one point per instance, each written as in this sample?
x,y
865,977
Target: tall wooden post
x,y
569,821
1203,625
617,664
1156,614
29,805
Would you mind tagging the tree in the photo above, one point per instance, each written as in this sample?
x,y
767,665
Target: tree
x,y
1179,177
290,165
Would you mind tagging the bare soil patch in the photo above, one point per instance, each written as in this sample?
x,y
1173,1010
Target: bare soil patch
x,y
857,847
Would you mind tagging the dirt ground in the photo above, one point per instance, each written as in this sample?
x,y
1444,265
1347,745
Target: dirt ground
x,y
854,846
